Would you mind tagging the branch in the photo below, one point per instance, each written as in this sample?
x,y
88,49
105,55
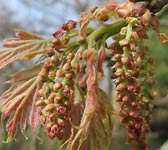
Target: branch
x,y
157,5
163,12
163,102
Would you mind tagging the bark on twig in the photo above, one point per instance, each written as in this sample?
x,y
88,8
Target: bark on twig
x,y
161,102
157,5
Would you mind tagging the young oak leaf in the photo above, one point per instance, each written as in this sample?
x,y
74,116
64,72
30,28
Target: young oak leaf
x,y
26,46
102,123
90,102
23,35
16,101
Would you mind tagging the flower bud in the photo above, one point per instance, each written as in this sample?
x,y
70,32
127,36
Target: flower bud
x,y
52,117
119,72
48,126
131,124
126,99
139,118
125,9
124,60
124,42
50,107
133,114
154,94
118,65
57,86
65,40
70,56
42,119
50,52
134,104
51,74
117,81
60,73
145,99
123,113
53,60
67,67
40,102
51,97
58,99
55,41
71,24
64,26
93,9
47,66
123,31
51,135
50,85
131,88
44,112
77,68
132,46
80,55
138,126
146,17
61,123
103,17
119,97
55,129
67,91
69,76
128,74
61,109
40,92
121,87
117,57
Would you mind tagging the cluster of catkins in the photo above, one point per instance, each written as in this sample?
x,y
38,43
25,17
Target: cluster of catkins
x,y
72,107
133,77
65,67
131,70
57,90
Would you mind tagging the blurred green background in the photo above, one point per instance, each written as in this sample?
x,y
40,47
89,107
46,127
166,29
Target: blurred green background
x,y
44,17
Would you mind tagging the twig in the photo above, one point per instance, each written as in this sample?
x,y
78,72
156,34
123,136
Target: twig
x,y
161,101
163,12
157,5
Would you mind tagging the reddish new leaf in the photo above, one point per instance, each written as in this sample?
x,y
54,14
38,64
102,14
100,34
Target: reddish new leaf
x,y
23,35
17,100
101,58
91,99
26,46
34,115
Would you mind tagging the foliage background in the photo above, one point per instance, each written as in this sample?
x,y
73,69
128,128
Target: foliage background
x,y
44,17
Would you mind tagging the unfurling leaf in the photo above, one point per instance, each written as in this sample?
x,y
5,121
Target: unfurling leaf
x,y
90,102
16,101
26,46
102,123
23,35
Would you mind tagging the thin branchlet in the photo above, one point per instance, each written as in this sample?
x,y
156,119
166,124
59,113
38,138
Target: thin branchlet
x,y
66,96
